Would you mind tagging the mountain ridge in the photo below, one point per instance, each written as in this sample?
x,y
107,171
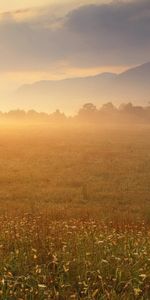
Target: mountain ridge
x,y
131,85
106,75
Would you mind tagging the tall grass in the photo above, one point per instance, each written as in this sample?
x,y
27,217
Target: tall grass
x,y
74,213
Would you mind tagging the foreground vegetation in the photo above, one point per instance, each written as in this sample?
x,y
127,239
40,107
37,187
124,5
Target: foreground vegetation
x,y
73,259
75,213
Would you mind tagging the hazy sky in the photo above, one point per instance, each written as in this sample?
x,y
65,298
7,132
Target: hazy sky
x,y
8,5
54,39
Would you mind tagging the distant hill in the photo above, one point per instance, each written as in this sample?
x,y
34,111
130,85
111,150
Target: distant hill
x,y
132,85
141,73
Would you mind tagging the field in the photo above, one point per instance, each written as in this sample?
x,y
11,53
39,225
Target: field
x,y
74,212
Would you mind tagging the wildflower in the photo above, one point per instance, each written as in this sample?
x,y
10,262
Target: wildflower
x,y
42,286
137,291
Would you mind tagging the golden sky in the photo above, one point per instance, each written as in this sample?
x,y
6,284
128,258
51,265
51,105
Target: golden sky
x,y
14,78
57,39
7,5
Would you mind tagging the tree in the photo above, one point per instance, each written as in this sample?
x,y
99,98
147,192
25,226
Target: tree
x,y
58,116
88,111
108,108
16,114
127,108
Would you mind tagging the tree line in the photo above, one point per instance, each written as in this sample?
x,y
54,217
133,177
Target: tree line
x,y
87,113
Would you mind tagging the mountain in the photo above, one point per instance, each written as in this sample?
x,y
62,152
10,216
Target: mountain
x,y
141,73
133,85
68,94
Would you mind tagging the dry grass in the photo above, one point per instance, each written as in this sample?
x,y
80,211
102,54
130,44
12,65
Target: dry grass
x,y
75,213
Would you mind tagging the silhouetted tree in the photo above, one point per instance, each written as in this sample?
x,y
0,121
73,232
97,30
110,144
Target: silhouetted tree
x,y
108,108
16,114
32,114
88,112
58,116
126,107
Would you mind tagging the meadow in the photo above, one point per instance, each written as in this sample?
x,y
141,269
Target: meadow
x,y
74,212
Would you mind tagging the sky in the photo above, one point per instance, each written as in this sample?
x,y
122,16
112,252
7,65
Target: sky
x,y
9,5
56,39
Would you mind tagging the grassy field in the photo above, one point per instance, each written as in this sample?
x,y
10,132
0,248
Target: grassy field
x,y
74,213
